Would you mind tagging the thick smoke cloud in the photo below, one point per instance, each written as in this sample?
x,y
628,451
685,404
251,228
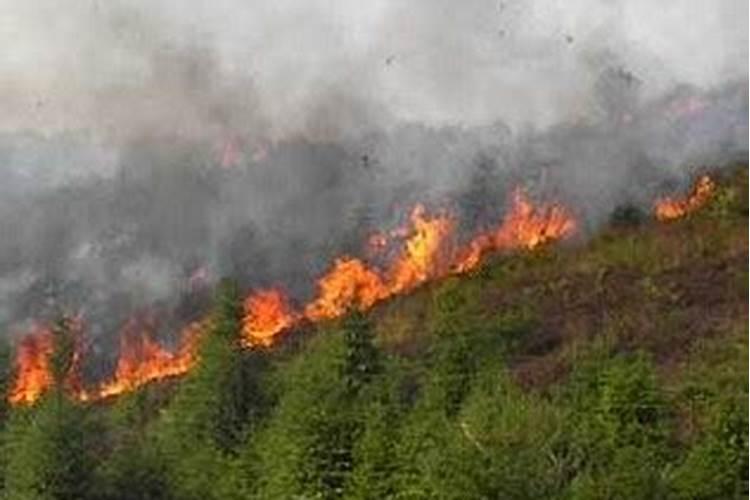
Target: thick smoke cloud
x,y
149,148
276,67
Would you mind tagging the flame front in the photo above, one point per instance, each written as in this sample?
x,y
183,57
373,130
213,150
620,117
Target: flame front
x,y
669,208
349,284
143,360
32,368
427,251
420,259
267,312
524,226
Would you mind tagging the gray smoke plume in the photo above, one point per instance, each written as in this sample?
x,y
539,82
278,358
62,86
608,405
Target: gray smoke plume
x,y
147,149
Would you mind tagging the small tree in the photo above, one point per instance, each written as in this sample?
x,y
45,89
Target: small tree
x,y
309,448
199,432
362,359
51,447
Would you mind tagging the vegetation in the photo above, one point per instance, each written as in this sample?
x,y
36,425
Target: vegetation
x,y
617,369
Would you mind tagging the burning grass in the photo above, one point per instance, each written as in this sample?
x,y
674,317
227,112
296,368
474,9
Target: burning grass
x,y
427,249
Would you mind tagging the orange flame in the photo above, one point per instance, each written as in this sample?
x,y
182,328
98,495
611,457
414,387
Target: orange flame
x,y
524,226
142,360
349,284
267,312
421,256
33,374
428,252
669,208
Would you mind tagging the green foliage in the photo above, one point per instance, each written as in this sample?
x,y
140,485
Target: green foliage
x,y
619,429
292,452
52,451
713,395
135,471
309,447
227,311
465,342
362,361
730,199
380,412
509,443
51,448
631,409
716,465
501,445
218,403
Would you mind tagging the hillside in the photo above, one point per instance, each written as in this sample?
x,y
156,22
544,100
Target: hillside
x,y
610,367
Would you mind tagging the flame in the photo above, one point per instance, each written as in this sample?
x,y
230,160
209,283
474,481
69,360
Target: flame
x,y
524,226
143,360
669,208
421,256
267,312
427,251
33,370
32,367
349,284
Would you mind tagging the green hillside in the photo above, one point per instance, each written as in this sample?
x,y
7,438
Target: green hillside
x,y
611,367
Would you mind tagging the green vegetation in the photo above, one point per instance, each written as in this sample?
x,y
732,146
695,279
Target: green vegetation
x,y
51,450
611,370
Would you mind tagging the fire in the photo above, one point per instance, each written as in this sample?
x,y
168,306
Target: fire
x,y
669,208
421,256
267,312
427,251
33,374
524,226
143,360
33,369
349,283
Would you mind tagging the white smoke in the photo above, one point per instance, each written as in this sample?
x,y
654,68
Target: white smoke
x,y
283,67
334,116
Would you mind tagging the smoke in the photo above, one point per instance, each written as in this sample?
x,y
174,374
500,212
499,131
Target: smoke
x,y
149,148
